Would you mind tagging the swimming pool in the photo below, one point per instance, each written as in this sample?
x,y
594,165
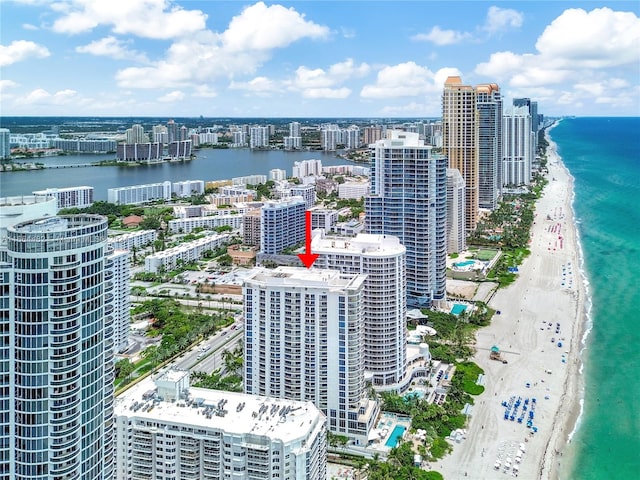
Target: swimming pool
x,y
458,308
466,263
397,433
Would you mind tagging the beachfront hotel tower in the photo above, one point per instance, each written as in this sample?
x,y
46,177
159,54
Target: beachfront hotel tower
x,y
382,258
304,340
519,147
408,200
459,140
489,121
56,401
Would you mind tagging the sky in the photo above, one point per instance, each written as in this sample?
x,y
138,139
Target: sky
x,y
313,58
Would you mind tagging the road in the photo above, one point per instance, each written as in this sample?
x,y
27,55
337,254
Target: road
x,y
227,339
193,303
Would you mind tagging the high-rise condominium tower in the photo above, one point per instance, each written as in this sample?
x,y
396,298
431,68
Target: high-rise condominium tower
x,y
57,351
519,147
382,258
459,140
409,200
456,238
489,120
304,338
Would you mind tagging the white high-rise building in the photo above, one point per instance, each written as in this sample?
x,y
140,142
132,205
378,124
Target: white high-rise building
x,y
56,317
330,137
456,237
306,168
518,148
136,134
187,188
294,140
382,259
282,224
119,273
277,174
136,194
351,137
203,434
67,197
409,200
304,340
258,137
5,143
294,129
307,192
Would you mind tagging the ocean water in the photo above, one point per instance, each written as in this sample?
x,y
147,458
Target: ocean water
x,y
603,155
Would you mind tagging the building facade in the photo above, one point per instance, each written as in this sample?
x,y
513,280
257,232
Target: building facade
x,y
5,143
57,354
304,338
456,237
136,194
199,434
489,120
170,258
282,224
519,149
382,259
68,197
119,273
408,200
459,140
187,188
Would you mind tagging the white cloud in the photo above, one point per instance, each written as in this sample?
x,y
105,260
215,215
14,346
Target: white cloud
x,y
259,85
113,48
600,38
42,97
442,37
19,50
28,26
407,80
6,85
204,91
170,97
410,109
205,55
501,19
144,18
259,27
328,93
320,83
578,46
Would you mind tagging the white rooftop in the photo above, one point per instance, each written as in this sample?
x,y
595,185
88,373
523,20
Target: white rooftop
x,y
275,418
305,277
363,243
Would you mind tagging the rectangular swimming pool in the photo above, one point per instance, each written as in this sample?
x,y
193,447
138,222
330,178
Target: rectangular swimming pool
x,y
458,308
397,433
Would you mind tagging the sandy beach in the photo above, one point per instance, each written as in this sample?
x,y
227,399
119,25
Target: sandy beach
x,y
538,332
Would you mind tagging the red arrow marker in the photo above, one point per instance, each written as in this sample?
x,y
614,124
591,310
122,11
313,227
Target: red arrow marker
x,y
308,258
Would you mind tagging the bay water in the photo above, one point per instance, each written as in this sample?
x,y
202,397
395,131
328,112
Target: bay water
x,y
210,164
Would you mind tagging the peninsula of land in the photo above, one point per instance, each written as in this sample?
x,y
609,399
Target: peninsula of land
x,y
538,330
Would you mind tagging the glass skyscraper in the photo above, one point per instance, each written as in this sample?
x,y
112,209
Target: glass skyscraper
x,y
409,200
56,316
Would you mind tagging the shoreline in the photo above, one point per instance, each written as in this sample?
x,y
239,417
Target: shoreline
x,y
541,331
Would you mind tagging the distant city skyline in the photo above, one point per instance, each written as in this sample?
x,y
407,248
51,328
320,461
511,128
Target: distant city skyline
x,y
313,59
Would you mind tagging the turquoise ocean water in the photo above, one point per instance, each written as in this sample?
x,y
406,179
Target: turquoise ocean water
x,y
603,155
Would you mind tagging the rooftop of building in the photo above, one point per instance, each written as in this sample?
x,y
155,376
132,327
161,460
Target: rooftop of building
x,y
231,412
304,278
363,243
